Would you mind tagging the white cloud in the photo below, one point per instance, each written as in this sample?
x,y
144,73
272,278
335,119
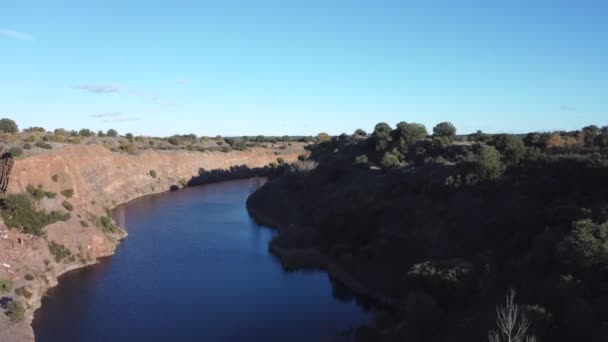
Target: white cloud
x,y
98,88
26,37
105,115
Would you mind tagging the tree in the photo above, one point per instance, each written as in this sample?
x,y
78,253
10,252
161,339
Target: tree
x,y
478,136
8,126
360,132
129,136
512,323
85,132
112,133
389,161
382,130
488,163
361,160
586,246
445,129
101,134
511,147
409,133
323,138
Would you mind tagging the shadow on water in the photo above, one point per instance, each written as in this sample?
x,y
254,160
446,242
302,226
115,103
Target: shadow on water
x,y
195,267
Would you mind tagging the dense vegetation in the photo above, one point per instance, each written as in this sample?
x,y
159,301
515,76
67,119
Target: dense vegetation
x,y
20,211
444,226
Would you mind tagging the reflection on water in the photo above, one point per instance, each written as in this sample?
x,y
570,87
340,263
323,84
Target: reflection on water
x,y
195,267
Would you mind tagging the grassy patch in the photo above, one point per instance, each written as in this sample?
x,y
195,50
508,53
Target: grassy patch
x,y
5,286
60,252
18,211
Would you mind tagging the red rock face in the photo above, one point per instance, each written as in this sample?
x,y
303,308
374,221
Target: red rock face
x,y
100,179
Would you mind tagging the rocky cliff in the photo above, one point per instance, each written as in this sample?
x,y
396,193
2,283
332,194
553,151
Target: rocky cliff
x,y
93,179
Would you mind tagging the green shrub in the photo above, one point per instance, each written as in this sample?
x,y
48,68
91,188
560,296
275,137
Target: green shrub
x,y
112,133
510,146
586,246
409,133
50,194
59,251
22,291
5,286
68,193
226,148
18,212
360,132
488,164
445,129
152,173
280,161
107,225
389,161
361,160
382,130
67,205
44,145
55,178
15,311
8,126
29,277
15,151
27,146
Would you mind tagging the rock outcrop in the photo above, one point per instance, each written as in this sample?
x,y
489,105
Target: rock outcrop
x,y
94,179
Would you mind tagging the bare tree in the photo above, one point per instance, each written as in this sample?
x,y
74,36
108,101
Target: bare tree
x,y
512,324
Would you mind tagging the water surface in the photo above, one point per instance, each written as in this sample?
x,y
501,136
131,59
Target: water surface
x,y
194,267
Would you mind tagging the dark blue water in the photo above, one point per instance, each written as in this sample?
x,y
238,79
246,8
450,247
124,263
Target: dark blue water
x,y
195,267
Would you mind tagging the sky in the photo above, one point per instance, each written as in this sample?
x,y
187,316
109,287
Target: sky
x,y
302,67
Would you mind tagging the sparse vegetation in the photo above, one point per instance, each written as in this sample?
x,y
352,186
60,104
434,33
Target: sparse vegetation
x,y
60,252
18,211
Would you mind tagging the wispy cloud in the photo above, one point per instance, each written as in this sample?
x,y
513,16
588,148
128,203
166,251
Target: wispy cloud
x,y
26,37
105,115
98,88
184,80
121,119
568,108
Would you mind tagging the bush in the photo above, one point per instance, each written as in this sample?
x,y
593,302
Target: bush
x,y
44,145
361,160
50,194
389,161
302,165
67,205
488,164
15,311
510,146
22,291
29,277
18,212
445,129
360,132
107,225
5,286
226,148
280,161
382,130
129,136
68,193
55,178
37,193
27,146
152,173
409,133
59,251
15,151
586,246
8,126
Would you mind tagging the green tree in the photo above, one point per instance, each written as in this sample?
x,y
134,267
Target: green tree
x,y
382,130
112,133
586,246
510,146
409,133
488,163
360,132
445,129
8,126
389,161
129,136
85,132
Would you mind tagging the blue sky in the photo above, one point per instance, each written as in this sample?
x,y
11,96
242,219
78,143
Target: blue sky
x,y
302,67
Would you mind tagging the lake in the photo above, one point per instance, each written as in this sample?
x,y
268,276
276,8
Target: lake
x,y
195,267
